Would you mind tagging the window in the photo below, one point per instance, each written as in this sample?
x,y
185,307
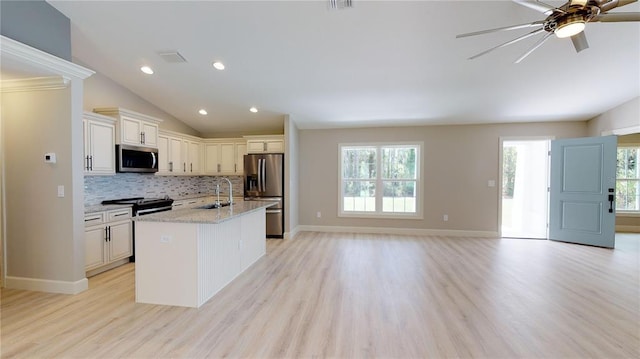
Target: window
x,y
380,180
628,179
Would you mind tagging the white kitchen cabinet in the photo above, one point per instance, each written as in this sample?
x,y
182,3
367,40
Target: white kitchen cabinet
x,y
178,154
133,128
194,150
108,240
224,158
265,144
99,144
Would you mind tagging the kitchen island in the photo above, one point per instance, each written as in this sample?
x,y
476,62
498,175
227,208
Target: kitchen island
x,y
184,257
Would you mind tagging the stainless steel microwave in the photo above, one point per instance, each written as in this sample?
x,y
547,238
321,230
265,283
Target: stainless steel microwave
x,y
136,159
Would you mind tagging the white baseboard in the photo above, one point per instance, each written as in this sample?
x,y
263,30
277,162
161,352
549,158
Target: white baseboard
x,y
628,229
402,231
292,233
47,285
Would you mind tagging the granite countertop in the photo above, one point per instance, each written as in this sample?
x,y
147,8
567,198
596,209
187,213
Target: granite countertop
x,y
213,216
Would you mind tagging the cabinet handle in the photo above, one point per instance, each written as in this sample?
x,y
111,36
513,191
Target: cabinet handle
x,y
235,167
87,162
191,167
170,166
91,163
141,138
106,234
184,167
109,233
218,167
121,214
88,219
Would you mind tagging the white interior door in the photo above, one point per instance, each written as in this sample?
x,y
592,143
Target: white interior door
x,y
583,179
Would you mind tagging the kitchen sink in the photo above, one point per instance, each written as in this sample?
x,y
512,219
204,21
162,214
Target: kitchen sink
x,y
215,205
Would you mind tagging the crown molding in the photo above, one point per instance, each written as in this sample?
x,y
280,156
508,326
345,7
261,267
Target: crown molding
x,y
34,84
26,54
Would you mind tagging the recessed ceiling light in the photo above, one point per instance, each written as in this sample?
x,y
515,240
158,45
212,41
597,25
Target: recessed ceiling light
x,y
202,111
253,109
147,70
218,65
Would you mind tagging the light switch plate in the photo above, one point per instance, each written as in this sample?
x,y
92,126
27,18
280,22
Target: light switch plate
x,y
60,191
491,183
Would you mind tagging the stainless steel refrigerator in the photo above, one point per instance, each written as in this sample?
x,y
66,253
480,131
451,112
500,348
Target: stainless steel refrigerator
x,y
264,181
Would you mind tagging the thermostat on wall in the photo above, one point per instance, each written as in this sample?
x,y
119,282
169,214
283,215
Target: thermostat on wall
x,y
50,158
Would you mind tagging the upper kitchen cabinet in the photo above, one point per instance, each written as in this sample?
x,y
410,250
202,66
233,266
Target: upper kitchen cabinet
x,y
99,138
133,128
178,154
224,157
265,144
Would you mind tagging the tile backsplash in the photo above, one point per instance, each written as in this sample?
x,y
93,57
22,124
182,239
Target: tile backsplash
x,y
125,185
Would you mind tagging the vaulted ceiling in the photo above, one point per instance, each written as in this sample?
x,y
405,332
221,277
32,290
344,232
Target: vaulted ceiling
x,y
378,63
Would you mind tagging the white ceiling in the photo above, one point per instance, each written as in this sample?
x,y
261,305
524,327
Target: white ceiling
x,y
379,63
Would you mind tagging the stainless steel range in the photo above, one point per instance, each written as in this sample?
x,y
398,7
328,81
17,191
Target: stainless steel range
x,y
141,206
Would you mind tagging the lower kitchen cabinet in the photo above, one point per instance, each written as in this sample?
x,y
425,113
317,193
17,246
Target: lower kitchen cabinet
x,y
108,240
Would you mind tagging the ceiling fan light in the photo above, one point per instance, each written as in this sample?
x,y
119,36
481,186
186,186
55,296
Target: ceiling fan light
x,y
569,29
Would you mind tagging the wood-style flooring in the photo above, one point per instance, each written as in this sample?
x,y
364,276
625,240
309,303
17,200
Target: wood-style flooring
x,y
356,296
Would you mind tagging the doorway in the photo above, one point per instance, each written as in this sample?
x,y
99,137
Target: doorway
x,y
524,203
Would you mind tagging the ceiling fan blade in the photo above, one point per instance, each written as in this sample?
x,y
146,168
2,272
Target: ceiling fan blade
x,y
507,28
580,41
617,17
607,5
507,43
537,6
534,47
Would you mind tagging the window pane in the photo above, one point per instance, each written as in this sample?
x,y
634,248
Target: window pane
x,y
358,162
628,195
359,196
399,163
399,196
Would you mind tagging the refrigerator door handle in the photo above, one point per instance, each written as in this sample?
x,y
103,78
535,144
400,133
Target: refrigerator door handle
x,y
264,174
259,174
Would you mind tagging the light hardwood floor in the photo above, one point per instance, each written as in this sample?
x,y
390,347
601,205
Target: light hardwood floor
x,y
358,295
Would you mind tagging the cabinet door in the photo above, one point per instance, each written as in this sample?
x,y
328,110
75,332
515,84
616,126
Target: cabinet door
x,y
241,150
101,147
150,134
130,131
255,146
120,245
211,153
227,158
94,247
163,155
274,146
193,164
175,156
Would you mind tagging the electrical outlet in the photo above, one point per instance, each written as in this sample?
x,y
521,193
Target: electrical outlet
x,y
319,214
445,217
60,191
165,239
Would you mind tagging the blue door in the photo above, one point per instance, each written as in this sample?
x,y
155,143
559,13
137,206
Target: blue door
x,y
582,193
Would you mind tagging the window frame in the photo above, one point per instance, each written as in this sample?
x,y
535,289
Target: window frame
x,y
379,181
624,212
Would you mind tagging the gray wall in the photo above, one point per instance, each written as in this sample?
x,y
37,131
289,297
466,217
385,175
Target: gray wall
x,y
37,24
458,162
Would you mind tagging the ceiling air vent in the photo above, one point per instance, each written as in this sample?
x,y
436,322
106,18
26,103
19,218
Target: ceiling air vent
x,y
340,4
172,57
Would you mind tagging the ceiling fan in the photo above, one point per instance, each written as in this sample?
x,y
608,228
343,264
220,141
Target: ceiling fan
x,y
568,20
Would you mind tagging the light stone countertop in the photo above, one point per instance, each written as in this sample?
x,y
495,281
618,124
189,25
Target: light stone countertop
x,y
213,216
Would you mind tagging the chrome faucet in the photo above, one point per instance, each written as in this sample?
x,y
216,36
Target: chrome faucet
x,y
230,189
218,193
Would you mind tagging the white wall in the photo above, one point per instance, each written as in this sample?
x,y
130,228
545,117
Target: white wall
x,y
458,161
101,91
625,116
44,233
291,135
